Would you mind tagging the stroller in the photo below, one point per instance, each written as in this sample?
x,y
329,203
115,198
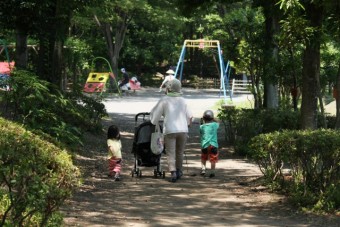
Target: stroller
x,y
141,148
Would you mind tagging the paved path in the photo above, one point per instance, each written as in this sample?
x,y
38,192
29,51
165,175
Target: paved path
x,y
232,198
143,100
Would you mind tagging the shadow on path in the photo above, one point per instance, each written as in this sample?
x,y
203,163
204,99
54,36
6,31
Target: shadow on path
x,y
232,198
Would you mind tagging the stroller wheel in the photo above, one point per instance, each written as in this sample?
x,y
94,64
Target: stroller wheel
x,y
163,174
132,173
140,173
155,173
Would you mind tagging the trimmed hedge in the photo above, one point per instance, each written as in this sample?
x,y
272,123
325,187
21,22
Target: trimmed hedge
x,y
313,160
36,177
243,124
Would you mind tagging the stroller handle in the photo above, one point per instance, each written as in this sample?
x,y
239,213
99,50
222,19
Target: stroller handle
x,y
143,114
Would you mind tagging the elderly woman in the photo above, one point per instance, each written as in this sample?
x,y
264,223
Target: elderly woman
x,y
177,119
170,76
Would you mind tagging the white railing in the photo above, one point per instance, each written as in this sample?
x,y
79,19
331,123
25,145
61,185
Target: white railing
x,y
240,86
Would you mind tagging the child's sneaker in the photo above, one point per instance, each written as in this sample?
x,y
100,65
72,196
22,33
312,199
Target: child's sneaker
x,y
117,179
202,172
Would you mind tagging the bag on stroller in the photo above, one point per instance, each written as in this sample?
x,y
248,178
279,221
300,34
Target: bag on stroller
x,y
141,148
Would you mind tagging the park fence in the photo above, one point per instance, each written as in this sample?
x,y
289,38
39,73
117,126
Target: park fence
x,y
235,86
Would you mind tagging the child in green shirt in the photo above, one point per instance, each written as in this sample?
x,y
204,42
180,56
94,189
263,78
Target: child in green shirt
x,y
209,144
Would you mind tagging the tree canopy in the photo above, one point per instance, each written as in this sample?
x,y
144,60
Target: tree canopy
x,y
286,47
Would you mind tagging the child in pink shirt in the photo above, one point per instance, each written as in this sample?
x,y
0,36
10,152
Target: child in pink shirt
x,y
114,152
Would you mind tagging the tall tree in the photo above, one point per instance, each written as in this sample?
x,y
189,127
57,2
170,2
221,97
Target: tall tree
x,y
52,27
270,77
20,17
333,29
151,43
314,13
113,18
48,22
311,67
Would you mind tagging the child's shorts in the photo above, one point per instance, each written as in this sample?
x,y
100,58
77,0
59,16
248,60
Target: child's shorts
x,y
210,152
115,165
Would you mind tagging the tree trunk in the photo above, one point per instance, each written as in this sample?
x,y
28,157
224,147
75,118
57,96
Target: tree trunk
x,y
57,75
271,98
271,95
337,98
311,69
119,40
319,94
114,48
43,58
52,34
294,89
58,37
46,47
21,49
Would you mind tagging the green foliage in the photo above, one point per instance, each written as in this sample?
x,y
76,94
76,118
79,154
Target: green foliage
x,y
39,107
35,177
330,64
290,4
243,124
77,56
228,117
313,160
150,41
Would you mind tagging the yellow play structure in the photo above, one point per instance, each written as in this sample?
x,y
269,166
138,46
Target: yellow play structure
x,y
97,81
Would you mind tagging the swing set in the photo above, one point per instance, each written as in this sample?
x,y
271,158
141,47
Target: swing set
x,y
223,70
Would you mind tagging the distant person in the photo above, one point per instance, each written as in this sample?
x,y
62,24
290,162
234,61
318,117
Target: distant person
x,y
209,143
114,152
125,81
170,76
177,119
135,84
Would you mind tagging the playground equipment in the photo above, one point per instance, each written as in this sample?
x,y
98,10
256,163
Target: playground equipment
x,y
5,67
133,85
97,81
201,44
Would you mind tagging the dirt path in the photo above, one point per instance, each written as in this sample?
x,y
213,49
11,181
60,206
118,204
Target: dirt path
x,y
233,198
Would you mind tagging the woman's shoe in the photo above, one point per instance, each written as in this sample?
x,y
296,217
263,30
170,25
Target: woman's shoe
x,y
179,174
173,178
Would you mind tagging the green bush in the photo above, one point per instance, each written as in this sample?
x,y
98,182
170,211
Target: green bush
x,y
241,125
35,178
313,158
44,109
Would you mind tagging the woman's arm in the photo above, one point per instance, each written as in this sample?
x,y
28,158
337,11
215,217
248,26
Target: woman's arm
x,y
156,113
